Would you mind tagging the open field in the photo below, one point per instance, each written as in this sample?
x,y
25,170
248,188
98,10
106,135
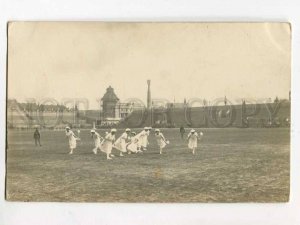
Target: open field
x,y
231,165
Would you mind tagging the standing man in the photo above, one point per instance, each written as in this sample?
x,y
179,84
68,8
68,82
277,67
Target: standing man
x,y
37,137
72,139
182,131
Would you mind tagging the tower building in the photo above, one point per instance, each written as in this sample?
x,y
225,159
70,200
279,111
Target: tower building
x,y
109,102
148,95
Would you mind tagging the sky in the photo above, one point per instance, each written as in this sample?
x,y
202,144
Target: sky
x,y
183,60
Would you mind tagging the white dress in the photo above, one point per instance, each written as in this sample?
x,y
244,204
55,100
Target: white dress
x,y
193,140
161,141
72,139
107,143
143,138
133,144
97,140
120,143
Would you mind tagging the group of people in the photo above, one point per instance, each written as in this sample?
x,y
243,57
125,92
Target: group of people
x,y
129,141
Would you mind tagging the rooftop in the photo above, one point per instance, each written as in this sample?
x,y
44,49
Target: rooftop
x,y
110,95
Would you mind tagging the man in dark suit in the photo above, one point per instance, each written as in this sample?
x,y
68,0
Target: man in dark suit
x,y
37,137
182,131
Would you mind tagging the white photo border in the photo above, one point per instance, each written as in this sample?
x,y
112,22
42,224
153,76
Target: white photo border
x,y
12,213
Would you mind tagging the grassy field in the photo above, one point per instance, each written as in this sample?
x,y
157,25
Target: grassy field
x,y
231,165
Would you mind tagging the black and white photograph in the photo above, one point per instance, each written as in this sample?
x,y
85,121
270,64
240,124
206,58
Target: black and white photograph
x,y
148,112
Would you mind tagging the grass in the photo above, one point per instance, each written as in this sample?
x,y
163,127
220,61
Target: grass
x,y
231,165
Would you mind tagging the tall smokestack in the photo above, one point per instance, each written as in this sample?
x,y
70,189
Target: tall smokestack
x,y
148,95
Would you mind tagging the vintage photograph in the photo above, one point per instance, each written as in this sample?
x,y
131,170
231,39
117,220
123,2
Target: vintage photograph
x,y
148,112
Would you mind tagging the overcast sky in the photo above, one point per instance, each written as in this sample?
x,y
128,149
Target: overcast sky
x,y
183,60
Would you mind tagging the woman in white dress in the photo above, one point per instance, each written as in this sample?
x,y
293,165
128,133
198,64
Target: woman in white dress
x,y
97,140
193,140
72,139
143,139
107,143
161,141
121,142
132,146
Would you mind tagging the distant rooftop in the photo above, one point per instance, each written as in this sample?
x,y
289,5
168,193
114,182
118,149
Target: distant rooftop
x,y
110,95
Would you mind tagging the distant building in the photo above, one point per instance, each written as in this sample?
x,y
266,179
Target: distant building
x,y
122,110
112,110
108,103
176,105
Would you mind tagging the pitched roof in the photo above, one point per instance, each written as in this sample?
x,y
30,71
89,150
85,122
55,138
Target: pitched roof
x,y
110,95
